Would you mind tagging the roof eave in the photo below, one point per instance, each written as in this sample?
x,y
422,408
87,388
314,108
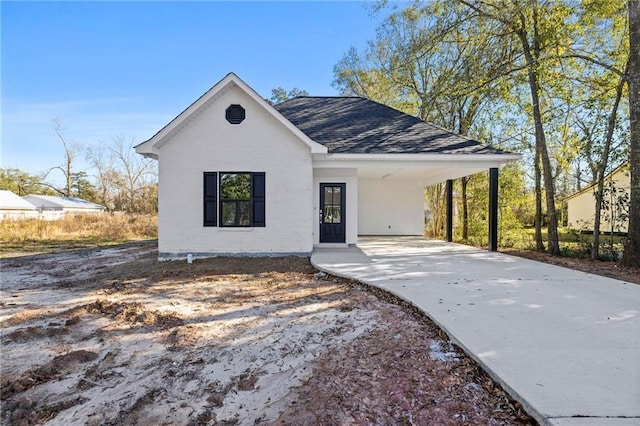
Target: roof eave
x,y
418,157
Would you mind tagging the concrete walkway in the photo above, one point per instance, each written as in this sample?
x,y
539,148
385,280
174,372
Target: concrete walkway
x,y
566,344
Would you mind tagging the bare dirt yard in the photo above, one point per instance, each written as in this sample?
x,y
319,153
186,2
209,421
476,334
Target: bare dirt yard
x,y
112,337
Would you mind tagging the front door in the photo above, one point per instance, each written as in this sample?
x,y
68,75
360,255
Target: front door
x,y
332,214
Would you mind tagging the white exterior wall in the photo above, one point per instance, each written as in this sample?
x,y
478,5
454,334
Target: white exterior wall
x,y
393,207
14,214
337,175
209,143
581,208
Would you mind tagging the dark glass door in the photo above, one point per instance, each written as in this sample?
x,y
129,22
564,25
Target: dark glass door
x,y
332,213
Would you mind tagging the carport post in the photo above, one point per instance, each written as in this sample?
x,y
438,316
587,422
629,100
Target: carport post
x,y
493,209
449,230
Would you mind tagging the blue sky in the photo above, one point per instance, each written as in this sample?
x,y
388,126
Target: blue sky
x,y
124,69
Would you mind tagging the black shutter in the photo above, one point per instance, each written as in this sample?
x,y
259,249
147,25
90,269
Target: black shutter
x,y
210,199
257,199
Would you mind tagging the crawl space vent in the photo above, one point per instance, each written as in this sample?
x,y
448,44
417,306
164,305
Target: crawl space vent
x,y
235,114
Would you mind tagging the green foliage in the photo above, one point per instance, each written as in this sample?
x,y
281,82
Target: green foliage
x,y
280,95
235,186
23,183
81,187
535,77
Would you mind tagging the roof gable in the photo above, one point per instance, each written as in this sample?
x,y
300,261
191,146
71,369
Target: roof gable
x,y
355,125
621,169
150,147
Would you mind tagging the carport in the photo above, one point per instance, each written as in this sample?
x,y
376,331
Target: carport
x,y
383,159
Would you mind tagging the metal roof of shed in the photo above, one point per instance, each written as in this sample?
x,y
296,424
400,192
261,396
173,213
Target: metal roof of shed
x,y
12,201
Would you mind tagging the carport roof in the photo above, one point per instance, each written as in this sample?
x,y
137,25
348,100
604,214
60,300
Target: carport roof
x,y
355,125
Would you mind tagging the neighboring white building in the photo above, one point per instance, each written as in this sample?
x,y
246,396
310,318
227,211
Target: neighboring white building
x,y
12,206
239,176
581,206
52,207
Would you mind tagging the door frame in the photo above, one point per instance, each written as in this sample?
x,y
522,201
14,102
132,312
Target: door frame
x,y
343,215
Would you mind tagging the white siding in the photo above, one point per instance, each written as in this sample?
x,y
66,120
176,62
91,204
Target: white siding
x,y
13,214
393,207
209,143
581,208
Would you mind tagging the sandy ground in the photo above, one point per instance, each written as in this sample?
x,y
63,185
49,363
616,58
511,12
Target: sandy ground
x,y
113,337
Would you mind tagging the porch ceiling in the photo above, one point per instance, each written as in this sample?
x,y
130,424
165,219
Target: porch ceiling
x,y
428,175
428,169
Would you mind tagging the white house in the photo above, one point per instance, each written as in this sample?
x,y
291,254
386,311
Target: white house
x,y
12,206
239,176
581,206
52,207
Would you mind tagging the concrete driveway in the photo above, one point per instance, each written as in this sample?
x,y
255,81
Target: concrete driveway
x,y
564,343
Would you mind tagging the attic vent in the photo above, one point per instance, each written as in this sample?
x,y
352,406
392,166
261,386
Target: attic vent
x,y
235,114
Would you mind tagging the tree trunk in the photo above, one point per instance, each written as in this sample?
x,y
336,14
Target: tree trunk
x,y
465,209
632,244
538,190
531,54
602,168
68,176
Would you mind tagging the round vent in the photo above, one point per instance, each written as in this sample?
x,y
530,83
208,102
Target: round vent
x,y
235,114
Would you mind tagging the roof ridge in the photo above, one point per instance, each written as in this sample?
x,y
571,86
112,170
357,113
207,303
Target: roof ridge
x,y
328,97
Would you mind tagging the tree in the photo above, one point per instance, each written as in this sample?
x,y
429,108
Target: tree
x,y
631,255
23,183
426,61
81,187
124,180
541,30
71,150
280,95
602,169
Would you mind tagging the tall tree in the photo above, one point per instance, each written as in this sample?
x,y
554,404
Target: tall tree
x,y
602,168
631,255
541,30
426,61
71,151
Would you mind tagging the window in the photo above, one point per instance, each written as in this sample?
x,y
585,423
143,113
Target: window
x,y
332,208
242,199
235,199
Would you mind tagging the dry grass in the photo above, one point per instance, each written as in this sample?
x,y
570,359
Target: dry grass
x,y
30,236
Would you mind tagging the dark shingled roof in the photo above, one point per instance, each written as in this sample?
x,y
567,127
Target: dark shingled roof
x,y
354,125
